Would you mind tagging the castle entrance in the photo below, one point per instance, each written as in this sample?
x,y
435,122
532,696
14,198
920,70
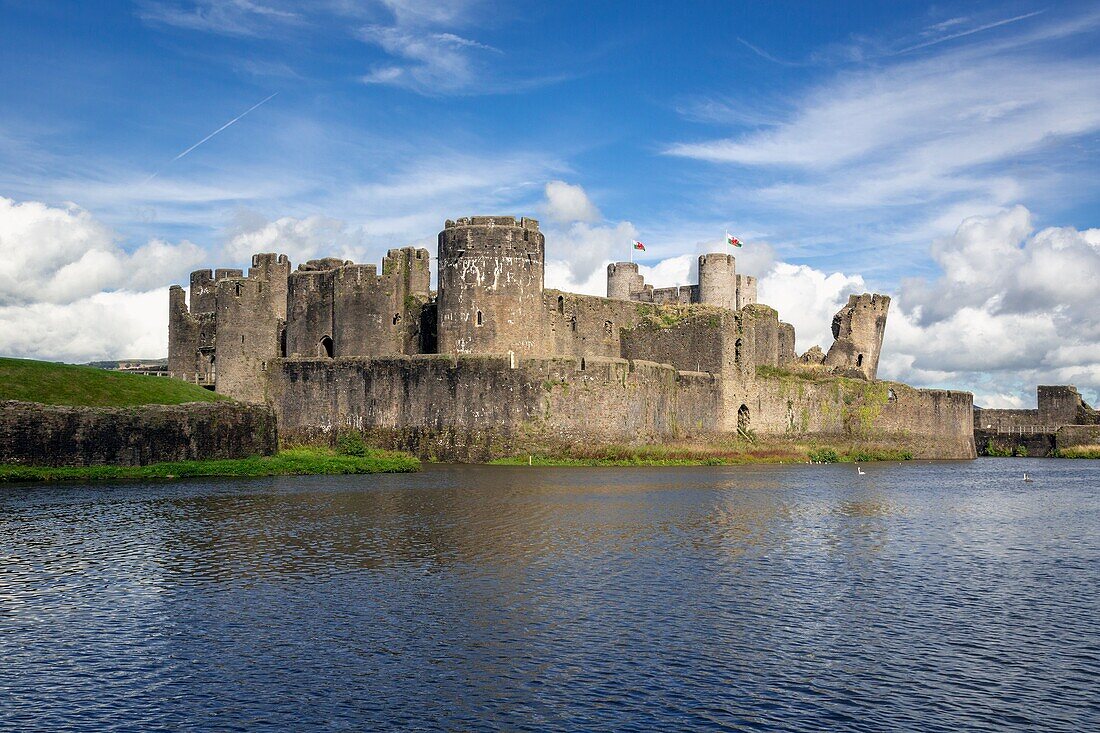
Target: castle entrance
x,y
743,419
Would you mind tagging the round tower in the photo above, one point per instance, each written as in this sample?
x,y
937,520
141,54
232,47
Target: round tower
x,y
718,280
490,286
623,280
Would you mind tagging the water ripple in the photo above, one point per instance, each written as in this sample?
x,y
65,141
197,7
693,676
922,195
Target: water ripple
x,y
933,596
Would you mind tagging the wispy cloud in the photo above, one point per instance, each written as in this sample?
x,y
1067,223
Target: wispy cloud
x,y
430,62
975,125
226,17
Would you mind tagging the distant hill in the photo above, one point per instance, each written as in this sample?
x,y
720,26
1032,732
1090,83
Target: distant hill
x,y
67,384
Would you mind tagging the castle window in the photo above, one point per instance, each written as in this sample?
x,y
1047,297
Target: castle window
x,y
237,288
573,323
737,351
561,304
242,338
324,347
859,360
608,327
480,321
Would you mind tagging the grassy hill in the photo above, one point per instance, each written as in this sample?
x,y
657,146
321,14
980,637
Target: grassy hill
x,y
66,384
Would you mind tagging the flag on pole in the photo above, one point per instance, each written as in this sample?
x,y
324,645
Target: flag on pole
x,y
638,245
732,240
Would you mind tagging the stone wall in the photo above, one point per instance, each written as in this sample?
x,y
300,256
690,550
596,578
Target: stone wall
x,y
1025,443
479,407
50,435
694,342
1070,436
585,325
248,335
996,419
476,408
932,423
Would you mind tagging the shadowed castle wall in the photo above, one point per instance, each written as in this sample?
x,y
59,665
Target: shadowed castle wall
x,y
309,312
248,336
183,336
54,435
479,407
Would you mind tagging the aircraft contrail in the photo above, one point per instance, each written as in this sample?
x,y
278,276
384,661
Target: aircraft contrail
x,y
200,142
972,31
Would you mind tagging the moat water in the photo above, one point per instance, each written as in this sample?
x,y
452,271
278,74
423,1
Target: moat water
x,y
922,596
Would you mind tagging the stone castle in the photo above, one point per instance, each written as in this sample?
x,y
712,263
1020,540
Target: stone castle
x,y
493,362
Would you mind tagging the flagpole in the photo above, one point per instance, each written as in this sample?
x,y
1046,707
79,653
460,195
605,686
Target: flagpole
x,y
632,251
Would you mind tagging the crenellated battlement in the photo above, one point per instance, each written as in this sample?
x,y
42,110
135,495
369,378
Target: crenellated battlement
x,y
493,221
719,284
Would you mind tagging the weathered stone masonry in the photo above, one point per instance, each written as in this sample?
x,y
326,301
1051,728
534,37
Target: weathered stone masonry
x,y
52,435
495,363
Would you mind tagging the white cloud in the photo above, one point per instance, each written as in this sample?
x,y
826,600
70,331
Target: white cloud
x,y
69,291
60,255
567,203
586,249
109,325
1012,309
808,299
300,239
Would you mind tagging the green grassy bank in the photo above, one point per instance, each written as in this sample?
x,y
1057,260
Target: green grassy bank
x,y
706,454
1080,451
50,383
288,462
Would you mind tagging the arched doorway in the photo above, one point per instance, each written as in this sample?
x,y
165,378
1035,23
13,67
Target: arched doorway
x,y
743,419
324,347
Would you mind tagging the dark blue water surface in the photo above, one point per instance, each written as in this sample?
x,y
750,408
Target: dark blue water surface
x,y
933,597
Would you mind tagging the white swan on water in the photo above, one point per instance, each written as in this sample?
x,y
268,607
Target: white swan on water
x,y
1027,479
860,471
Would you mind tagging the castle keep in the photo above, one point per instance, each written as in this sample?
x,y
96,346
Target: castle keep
x,y
493,362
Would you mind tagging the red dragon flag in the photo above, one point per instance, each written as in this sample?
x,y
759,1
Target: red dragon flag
x,y
638,245
732,240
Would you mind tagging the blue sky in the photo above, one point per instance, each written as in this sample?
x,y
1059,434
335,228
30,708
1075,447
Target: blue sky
x,y
847,143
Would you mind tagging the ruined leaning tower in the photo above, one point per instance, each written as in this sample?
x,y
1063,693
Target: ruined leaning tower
x,y
858,329
490,286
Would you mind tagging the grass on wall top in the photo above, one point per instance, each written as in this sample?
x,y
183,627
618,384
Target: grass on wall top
x,y
65,384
